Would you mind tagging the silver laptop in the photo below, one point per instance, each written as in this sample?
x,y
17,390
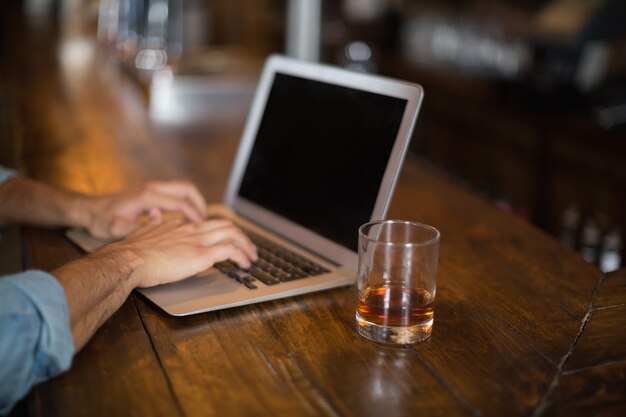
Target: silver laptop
x,y
319,156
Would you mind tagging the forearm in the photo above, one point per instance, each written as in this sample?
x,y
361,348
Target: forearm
x,y
32,202
96,286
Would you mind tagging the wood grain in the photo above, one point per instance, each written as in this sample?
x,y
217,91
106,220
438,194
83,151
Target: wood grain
x,y
511,301
299,356
118,369
119,374
603,341
593,379
598,392
613,290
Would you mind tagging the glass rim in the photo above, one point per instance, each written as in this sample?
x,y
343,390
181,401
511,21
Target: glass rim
x,y
431,241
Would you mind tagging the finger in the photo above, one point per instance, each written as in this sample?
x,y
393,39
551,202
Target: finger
x,y
155,215
156,227
231,233
209,225
183,190
121,227
229,251
224,229
164,202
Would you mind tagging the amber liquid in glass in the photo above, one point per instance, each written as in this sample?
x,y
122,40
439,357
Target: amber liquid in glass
x,y
396,306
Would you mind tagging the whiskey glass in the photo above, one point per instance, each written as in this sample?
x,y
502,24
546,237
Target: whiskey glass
x,y
396,281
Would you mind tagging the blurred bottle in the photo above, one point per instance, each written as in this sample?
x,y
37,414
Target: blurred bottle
x,y
146,34
153,52
129,28
590,241
570,224
358,57
108,12
610,257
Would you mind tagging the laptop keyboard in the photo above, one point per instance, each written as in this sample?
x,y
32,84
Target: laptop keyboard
x,y
276,264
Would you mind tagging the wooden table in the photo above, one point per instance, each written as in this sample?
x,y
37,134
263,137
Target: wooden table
x,y
523,326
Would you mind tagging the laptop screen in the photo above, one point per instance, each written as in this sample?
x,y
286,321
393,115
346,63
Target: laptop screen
x,y
320,155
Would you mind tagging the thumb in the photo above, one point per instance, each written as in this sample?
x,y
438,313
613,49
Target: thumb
x,y
121,227
156,215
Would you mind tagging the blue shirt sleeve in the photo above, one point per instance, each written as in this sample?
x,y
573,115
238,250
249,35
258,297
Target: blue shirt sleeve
x,y
35,337
6,173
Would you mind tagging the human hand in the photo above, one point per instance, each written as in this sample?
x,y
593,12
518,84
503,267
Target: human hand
x,y
117,215
96,285
171,251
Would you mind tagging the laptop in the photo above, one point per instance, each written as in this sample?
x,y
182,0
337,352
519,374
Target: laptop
x,y
320,154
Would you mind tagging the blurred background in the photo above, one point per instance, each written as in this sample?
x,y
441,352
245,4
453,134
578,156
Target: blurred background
x,y
525,100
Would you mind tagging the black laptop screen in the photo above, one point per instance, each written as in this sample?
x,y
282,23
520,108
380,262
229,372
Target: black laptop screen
x,y
320,155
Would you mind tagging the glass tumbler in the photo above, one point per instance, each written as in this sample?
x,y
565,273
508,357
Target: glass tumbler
x,y
396,281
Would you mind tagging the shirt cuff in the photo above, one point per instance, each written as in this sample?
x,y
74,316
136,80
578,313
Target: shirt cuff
x,y
38,341
47,294
6,174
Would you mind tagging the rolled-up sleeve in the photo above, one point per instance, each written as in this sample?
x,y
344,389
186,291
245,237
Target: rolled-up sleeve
x,y
6,173
35,337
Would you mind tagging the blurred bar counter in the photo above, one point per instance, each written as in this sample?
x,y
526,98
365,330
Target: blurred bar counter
x,y
526,101
523,326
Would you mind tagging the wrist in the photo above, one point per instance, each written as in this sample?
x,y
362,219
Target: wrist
x,y
81,211
125,262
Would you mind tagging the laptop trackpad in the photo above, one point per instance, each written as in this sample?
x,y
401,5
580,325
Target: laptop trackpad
x,y
211,283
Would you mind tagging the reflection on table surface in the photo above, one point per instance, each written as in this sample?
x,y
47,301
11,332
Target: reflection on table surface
x,y
522,327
